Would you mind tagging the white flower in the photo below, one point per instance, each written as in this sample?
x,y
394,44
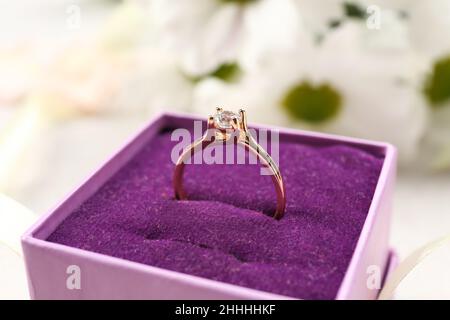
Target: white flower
x,y
397,5
317,15
154,82
209,33
349,85
430,27
430,34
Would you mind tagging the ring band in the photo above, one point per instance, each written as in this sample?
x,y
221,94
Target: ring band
x,y
219,129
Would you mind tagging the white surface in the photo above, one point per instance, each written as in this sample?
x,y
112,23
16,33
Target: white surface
x,y
421,215
14,220
13,277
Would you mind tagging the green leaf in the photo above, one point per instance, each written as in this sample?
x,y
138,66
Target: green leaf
x,y
312,104
334,23
437,84
354,11
227,72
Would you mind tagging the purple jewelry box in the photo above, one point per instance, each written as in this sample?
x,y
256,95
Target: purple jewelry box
x,y
130,240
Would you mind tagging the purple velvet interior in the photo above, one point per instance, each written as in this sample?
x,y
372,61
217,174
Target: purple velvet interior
x,y
221,233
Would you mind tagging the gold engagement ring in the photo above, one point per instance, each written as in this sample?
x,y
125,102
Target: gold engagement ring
x,y
221,127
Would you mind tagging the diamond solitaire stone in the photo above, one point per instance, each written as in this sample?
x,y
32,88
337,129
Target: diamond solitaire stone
x,y
224,119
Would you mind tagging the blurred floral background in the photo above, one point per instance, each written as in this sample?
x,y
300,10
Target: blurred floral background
x,y
78,77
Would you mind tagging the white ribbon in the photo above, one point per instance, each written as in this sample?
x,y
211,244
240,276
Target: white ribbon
x,y
408,265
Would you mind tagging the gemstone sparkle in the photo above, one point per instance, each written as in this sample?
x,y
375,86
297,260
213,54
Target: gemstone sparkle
x,y
224,119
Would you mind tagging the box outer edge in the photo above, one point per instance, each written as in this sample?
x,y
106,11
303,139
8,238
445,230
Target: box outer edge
x,y
29,241
382,196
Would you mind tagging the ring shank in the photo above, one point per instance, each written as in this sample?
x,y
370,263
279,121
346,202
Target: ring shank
x,y
250,145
